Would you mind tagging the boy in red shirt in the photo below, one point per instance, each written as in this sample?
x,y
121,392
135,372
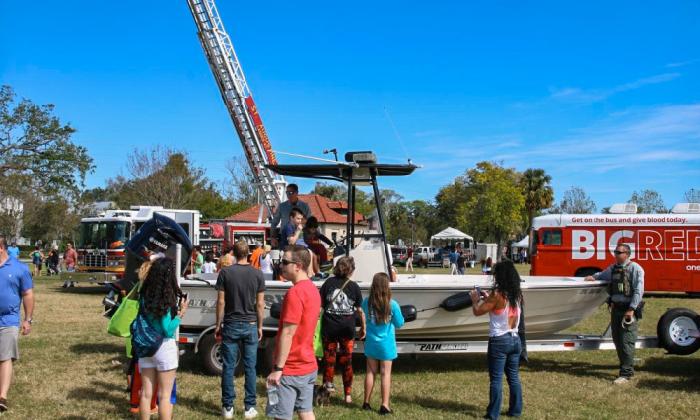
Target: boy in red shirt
x,y
294,370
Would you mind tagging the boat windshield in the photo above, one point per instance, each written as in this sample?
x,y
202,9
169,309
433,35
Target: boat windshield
x,y
104,235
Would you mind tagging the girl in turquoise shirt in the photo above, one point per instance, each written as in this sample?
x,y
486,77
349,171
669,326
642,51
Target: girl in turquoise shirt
x,y
383,316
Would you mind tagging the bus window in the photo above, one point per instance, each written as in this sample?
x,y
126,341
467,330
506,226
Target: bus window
x,y
551,237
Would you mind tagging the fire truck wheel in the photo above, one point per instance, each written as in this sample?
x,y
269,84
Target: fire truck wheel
x,y
210,354
673,331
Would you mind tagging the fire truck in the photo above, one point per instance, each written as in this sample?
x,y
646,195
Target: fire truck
x,y
100,246
217,235
666,245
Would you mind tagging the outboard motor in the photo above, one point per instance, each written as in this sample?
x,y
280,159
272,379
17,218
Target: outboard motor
x,y
160,234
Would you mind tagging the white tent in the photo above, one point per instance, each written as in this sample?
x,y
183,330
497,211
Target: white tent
x,y
524,243
450,234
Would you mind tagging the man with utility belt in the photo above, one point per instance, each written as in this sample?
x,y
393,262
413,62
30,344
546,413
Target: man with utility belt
x,y
626,288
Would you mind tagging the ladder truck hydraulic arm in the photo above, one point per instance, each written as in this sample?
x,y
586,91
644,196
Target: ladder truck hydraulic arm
x,y
238,99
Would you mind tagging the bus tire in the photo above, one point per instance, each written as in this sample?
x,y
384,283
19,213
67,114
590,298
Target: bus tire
x,y
210,356
672,331
587,271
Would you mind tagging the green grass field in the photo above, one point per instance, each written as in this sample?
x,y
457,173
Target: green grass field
x,y
71,369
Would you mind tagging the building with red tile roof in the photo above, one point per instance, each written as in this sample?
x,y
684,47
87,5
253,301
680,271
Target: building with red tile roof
x,y
331,215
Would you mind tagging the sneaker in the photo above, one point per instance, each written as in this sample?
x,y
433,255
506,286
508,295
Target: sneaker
x,y
251,413
227,412
383,411
366,407
3,405
621,381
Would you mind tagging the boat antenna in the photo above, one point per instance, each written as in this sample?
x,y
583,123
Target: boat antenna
x,y
334,151
396,133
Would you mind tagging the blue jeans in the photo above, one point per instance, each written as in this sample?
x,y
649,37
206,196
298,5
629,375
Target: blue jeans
x,y
504,354
237,336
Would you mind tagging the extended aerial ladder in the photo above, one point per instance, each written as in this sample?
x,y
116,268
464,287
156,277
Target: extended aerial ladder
x,y
238,98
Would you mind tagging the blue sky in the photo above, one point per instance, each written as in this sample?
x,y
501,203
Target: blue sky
x,y
605,96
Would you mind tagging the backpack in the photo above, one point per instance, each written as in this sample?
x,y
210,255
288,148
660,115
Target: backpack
x,y
36,257
145,339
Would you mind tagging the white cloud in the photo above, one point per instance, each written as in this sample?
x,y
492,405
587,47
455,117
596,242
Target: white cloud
x,y
579,95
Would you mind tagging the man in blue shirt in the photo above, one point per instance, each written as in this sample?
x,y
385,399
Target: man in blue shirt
x,y
15,289
13,250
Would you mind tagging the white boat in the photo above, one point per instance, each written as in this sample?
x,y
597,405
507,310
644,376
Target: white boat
x,y
552,304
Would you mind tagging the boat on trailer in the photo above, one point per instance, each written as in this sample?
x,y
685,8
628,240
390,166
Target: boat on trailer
x,y
442,306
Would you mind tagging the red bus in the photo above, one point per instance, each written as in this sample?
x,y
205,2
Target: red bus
x,y
667,246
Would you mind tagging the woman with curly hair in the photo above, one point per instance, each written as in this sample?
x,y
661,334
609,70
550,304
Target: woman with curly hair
x,y
160,295
383,318
504,305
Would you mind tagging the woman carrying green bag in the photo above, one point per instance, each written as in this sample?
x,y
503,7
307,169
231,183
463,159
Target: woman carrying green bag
x,y
341,300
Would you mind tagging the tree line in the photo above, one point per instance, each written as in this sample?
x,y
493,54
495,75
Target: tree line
x,y
44,170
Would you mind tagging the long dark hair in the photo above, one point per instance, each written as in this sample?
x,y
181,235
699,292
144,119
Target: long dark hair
x,y
160,291
379,301
507,281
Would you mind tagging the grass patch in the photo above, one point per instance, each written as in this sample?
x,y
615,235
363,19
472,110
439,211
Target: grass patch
x,y
71,369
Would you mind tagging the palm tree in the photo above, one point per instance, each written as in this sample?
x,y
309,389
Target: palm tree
x,y
537,191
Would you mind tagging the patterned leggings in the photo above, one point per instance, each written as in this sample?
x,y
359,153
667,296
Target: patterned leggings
x,y
343,349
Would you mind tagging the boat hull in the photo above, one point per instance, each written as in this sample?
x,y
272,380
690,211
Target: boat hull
x,y
552,304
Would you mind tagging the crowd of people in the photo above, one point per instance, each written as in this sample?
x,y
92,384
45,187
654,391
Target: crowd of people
x,y
338,306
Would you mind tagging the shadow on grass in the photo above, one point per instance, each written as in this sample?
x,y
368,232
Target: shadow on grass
x,y
682,374
93,348
81,290
102,392
197,404
579,369
443,405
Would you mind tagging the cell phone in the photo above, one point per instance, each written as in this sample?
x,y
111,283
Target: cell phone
x,y
478,290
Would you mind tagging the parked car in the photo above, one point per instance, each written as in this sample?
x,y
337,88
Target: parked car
x,y
423,254
399,255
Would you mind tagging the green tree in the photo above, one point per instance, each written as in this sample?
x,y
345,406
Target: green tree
x,y
164,177
494,211
648,201
539,195
49,219
449,199
36,149
335,192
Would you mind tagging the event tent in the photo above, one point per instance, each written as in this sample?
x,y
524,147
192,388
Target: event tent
x,y
524,243
450,234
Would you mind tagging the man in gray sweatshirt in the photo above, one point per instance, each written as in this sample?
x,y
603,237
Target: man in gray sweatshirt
x,y
625,289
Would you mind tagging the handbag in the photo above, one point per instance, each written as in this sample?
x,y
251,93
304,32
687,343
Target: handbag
x,y
120,323
145,339
318,340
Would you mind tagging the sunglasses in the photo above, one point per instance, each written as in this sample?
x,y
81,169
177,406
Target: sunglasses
x,y
285,261
291,192
619,252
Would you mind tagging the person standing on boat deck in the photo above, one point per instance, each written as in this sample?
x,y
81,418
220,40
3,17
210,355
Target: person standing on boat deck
x,y
239,318
626,289
281,216
291,383
504,306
